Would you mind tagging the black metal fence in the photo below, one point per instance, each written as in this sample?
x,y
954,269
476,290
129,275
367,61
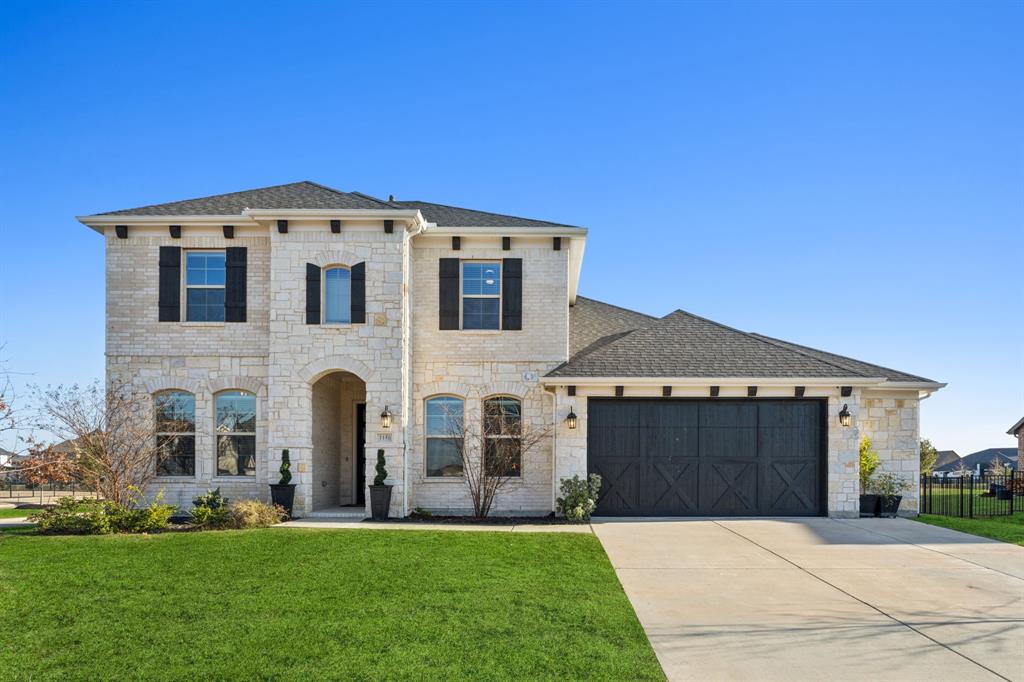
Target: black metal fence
x,y
972,494
19,491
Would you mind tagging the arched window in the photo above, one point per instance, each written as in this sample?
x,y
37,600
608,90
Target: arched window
x,y
337,296
444,436
236,433
503,423
175,433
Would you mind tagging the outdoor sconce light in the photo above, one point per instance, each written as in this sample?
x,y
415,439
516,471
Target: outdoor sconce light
x,y
385,418
570,419
845,418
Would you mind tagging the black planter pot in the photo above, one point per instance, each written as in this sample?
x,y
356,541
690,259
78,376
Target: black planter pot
x,y
380,502
889,505
869,505
283,495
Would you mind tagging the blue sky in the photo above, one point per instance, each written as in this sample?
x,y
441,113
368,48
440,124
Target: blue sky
x,y
847,176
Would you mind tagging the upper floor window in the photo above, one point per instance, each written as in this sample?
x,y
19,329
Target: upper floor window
x,y
337,296
503,421
236,433
204,286
176,433
481,295
444,436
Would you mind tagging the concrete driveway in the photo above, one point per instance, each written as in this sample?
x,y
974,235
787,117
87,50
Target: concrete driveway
x,y
822,599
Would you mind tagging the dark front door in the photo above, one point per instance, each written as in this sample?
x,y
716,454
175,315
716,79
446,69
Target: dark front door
x,y
678,457
361,453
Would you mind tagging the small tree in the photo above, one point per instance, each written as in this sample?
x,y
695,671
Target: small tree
x,y
868,463
492,456
928,457
112,434
997,468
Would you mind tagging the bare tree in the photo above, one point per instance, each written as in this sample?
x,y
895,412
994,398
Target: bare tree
x,y
491,455
111,437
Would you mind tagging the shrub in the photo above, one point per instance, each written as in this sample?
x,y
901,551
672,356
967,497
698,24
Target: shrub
x,y
286,465
211,510
153,517
889,484
382,473
868,463
255,514
74,517
579,497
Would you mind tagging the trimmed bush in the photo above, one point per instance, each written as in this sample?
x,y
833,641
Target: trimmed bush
x,y
579,497
255,514
74,517
211,510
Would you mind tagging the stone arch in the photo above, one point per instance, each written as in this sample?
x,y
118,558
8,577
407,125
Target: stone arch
x,y
172,384
317,369
512,388
323,259
254,386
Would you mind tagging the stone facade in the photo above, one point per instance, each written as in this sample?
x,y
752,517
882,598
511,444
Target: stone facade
x,y
308,379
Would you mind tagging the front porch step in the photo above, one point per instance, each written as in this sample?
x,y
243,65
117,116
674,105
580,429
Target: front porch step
x,y
350,514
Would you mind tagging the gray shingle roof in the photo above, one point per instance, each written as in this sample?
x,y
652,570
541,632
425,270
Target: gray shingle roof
x,y
1006,456
297,195
307,195
593,324
453,216
944,457
1016,427
685,345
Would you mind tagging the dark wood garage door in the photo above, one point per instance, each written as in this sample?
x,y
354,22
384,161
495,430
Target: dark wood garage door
x,y
664,457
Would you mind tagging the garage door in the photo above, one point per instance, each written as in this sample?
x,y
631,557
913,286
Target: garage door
x,y
664,457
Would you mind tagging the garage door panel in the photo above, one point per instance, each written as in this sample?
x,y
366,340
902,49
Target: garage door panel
x,y
672,486
684,457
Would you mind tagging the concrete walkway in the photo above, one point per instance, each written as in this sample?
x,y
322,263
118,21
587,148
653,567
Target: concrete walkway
x,y
822,599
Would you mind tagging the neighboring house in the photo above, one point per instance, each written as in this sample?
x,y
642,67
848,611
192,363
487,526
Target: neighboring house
x,y
1017,430
978,462
5,457
298,316
944,457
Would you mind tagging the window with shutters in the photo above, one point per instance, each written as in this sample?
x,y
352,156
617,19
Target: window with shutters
x,y
337,283
204,286
236,433
503,420
481,295
444,436
176,433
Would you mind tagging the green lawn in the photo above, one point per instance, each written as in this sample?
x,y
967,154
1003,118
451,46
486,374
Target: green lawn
x,y
15,513
1005,528
312,604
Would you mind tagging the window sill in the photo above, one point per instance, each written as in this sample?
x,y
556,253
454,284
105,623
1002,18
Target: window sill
x,y
203,324
444,479
481,332
229,479
336,325
176,479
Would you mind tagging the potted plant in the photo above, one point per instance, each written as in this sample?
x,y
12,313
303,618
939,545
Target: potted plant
x,y
888,487
283,492
380,493
868,463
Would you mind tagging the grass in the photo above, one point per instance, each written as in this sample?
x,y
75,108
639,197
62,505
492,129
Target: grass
x,y
15,513
1004,528
312,604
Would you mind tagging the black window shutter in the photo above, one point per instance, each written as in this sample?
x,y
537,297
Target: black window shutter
x,y
359,293
512,293
170,284
234,284
449,293
312,294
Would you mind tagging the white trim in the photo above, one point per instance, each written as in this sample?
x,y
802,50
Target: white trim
x,y
436,230
710,381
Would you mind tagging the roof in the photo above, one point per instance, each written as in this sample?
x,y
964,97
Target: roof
x,y
1006,456
681,344
312,195
1016,427
944,457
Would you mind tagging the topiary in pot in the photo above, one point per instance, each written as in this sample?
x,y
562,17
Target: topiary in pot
x,y
888,487
380,492
869,501
283,492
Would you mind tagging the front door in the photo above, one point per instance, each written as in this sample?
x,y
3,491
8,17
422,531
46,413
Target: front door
x,y
361,453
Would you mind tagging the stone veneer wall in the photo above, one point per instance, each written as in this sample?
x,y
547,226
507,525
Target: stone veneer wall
x,y
477,364
892,423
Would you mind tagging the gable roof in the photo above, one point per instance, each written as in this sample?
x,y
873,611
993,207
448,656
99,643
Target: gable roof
x,y
944,457
1015,429
1006,456
681,344
312,195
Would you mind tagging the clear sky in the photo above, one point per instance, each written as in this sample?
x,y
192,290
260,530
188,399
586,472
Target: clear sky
x,y
846,176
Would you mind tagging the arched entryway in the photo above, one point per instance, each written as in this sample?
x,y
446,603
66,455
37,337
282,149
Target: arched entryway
x,y
339,441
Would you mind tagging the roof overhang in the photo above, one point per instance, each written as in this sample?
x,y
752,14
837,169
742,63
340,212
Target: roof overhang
x,y
923,388
255,217
1016,427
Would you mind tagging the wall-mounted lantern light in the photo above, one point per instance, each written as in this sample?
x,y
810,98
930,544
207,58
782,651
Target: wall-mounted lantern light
x,y
845,418
385,418
570,419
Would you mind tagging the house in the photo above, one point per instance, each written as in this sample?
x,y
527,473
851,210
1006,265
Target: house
x,y
1017,430
944,457
978,462
336,325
